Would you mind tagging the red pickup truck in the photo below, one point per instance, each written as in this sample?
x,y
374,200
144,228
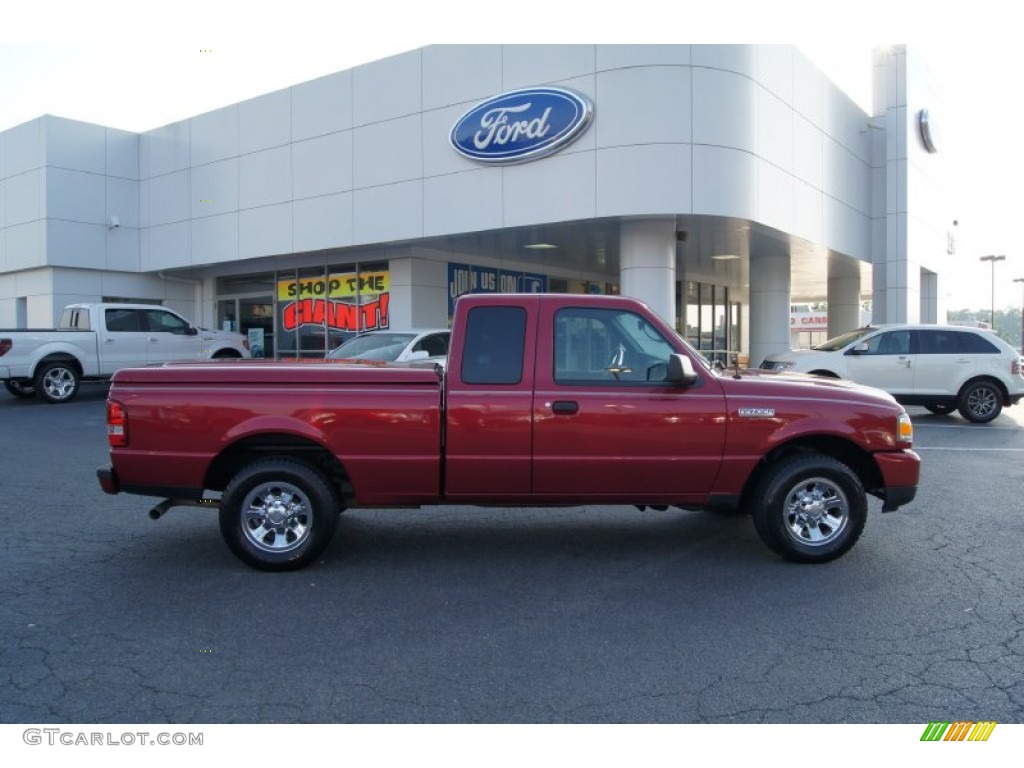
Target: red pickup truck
x,y
547,400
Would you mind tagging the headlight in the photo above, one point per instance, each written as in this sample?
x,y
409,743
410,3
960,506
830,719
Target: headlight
x,y
905,430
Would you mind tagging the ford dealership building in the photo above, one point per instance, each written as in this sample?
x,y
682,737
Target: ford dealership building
x,y
719,184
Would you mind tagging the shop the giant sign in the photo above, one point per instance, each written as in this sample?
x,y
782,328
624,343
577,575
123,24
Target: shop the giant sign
x,y
523,125
342,302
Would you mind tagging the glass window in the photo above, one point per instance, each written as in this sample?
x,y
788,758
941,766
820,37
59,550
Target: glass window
x,y
435,345
123,320
975,343
164,322
495,341
891,343
608,346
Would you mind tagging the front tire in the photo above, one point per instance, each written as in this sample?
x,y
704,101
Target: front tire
x,y
810,508
20,388
57,381
980,402
278,514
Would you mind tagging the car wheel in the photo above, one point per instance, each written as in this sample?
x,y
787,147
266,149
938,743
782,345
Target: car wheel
x,y
278,514
810,508
57,382
19,388
980,402
941,410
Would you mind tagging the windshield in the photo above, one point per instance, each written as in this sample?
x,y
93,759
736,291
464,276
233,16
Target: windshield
x,y
373,346
834,345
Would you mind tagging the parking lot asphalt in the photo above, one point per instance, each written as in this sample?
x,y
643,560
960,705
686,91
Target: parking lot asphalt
x,y
463,615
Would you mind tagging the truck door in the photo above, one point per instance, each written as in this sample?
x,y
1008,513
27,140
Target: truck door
x,y
169,338
122,340
489,396
607,426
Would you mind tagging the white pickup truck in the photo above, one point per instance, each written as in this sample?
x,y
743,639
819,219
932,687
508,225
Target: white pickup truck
x,y
94,341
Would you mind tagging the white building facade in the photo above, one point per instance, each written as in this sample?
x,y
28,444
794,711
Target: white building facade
x,y
717,183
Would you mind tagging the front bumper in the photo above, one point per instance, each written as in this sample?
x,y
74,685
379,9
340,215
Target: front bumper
x,y
901,472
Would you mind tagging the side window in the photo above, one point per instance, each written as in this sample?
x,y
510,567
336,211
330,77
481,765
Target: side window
x,y
495,341
608,346
939,342
891,343
976,344
122,320
165,322
435,345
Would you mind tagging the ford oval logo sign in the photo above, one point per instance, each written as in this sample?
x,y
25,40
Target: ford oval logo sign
x,y
522,125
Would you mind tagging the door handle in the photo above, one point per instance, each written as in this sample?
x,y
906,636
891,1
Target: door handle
x,y
565,407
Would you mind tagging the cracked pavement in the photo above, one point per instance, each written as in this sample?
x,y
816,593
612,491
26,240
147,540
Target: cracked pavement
x,y
469,615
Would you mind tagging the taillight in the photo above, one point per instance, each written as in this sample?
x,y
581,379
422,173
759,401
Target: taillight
x,y
117,424
5,346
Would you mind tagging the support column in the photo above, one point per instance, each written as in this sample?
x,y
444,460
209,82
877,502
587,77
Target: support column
x,y
647,264
843,295
419,293
931,304
769,305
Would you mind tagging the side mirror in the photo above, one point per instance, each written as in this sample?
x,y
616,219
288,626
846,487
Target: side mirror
x,y
860,349
680,370
191,331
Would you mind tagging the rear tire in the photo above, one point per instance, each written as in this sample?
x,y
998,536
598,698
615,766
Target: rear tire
x,y
810,508
980,402
20,388
57,381
278,514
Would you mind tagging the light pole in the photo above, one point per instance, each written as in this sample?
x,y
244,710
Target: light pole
x,y
993,259
1021,280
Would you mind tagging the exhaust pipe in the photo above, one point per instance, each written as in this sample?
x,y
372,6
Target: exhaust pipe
x,y
162,508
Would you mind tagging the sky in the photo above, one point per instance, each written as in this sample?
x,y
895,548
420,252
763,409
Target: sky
x,y
111,63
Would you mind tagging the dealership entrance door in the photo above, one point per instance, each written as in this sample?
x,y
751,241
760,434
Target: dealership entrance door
x,y
252,316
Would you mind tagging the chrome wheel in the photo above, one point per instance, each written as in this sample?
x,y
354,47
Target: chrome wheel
x,y
276,517
816,512
56,382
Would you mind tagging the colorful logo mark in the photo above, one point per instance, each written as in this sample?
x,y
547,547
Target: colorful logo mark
x,y
959,731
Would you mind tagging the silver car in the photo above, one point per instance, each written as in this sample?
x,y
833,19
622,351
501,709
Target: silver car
x,y
417,345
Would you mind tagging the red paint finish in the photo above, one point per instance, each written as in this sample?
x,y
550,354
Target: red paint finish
x,y
546,430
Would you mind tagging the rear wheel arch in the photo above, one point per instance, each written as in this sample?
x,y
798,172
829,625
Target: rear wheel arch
x,y
230,461
981,399
57,377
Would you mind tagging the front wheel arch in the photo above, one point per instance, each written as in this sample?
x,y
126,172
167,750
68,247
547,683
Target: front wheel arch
x,y
809,508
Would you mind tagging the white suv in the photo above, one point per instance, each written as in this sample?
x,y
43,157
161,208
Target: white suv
x,y
941,367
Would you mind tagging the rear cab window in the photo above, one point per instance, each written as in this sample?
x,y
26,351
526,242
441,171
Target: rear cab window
x,y
494,345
